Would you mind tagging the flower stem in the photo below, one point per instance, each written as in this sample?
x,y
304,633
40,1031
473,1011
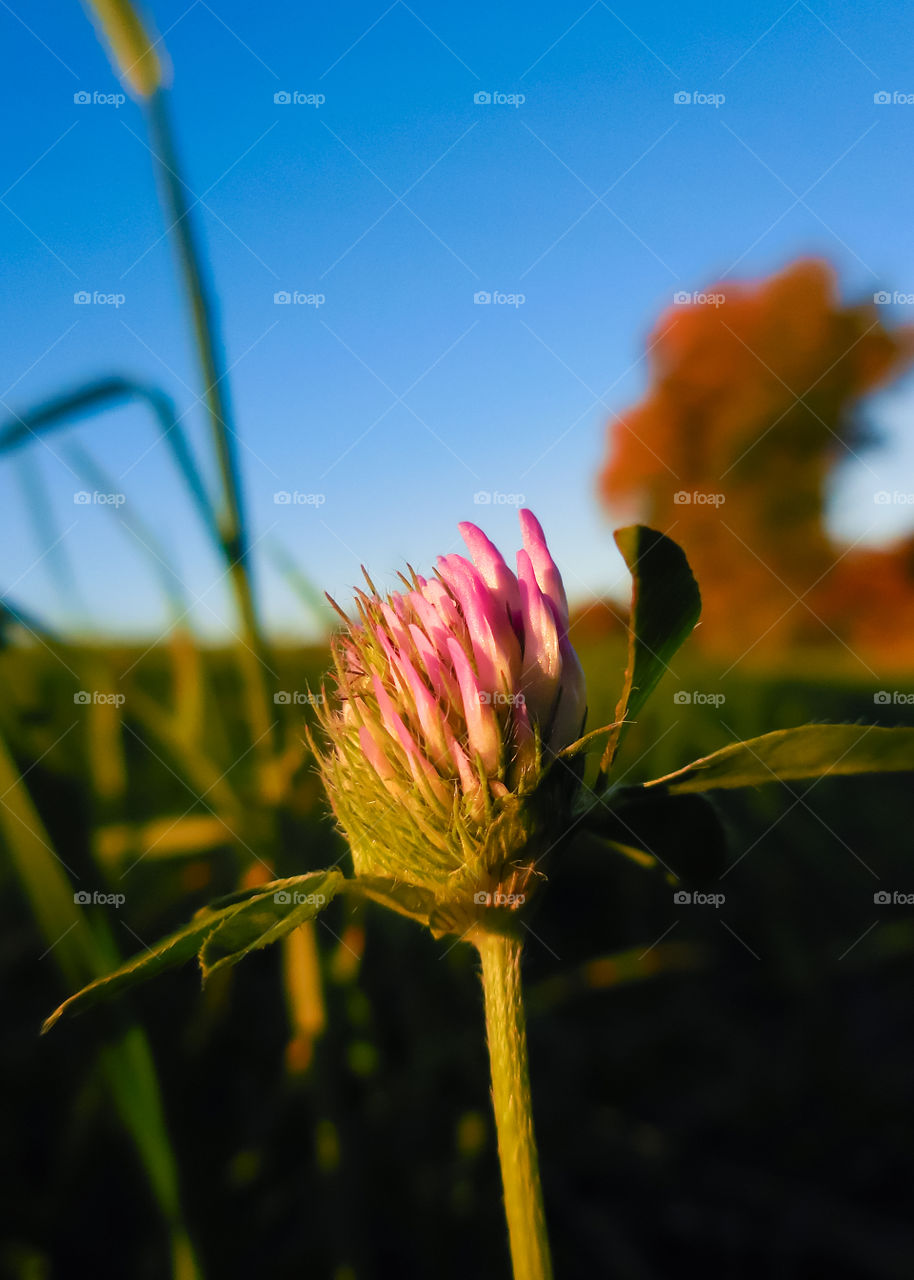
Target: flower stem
x,y
507,1038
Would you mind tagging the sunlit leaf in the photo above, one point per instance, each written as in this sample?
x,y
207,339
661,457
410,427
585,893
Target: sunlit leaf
x,y
170,951
267,918
810,751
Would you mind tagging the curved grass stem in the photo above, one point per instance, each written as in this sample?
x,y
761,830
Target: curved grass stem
x,y
232,524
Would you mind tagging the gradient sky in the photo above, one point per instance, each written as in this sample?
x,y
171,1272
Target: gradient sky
x,y
398,198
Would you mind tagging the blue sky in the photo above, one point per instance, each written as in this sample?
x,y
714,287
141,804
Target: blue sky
x,y
397,199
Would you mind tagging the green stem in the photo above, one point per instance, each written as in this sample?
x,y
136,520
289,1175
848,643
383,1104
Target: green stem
x,y
507,1038
232,526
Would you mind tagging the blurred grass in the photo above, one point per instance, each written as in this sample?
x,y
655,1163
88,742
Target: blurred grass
x,y
689,1062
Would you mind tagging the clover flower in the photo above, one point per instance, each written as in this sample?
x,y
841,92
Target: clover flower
x,y
452,700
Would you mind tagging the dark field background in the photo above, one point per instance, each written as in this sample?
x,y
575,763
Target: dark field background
x,y
734,1100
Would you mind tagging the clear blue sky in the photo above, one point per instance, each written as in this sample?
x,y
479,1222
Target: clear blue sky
x,y
398,198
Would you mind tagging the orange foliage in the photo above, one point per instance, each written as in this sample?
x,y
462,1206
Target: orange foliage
x,y
751,408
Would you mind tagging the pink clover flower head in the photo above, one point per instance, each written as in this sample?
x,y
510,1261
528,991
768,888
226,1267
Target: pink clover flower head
x,y
452,699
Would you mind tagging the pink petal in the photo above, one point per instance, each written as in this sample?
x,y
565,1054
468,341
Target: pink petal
x,y
394,624
542,658
491,565
482,726
393,723
569,714
430,618
495,646
547,575
442,681
437,594
374,755
469,779
427,710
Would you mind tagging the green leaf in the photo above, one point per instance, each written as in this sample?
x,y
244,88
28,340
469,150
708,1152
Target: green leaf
x,y
265,919
170,951
809,751
665,607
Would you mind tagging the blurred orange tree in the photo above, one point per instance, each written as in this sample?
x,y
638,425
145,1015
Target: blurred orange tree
x,y
752,406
